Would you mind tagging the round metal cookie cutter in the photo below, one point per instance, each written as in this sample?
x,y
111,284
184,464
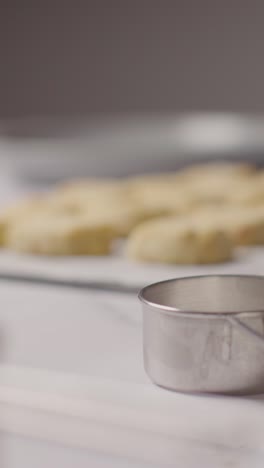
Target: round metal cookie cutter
x,y
205,334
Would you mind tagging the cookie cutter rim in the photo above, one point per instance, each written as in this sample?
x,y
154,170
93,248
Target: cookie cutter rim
x,y
197,313
158,352
231,315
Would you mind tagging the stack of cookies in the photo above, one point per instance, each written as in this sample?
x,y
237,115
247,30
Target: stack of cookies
x,y
193,216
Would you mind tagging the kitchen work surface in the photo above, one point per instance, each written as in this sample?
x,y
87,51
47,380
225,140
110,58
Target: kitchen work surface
x,y
72,380
73,391
116,272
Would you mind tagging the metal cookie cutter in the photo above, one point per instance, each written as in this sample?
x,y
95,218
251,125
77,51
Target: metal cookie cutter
x,y
205,334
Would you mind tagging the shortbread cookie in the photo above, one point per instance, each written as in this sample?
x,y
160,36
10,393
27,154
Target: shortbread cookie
x,y
63,227
16,212
247,228
119,207
192,186
162,196
214,182
50,234
124,217
244,225
121,217
212,189
249,193
174,240
159,192
21,210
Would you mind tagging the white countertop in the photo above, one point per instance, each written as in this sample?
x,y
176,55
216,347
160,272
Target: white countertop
x,y
73,391
99,406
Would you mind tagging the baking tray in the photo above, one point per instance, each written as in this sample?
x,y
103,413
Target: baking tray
x,y
115,273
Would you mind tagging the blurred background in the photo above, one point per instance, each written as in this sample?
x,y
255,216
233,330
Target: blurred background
x,y
100,56
89,57
113,78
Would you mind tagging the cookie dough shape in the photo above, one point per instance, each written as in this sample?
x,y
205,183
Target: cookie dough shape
x,y
250,193
112,204
179,241
161,196
214,183
243,224
51,234
15,212
122,217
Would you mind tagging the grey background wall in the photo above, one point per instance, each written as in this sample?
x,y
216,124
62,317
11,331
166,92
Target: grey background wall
x,y
120,56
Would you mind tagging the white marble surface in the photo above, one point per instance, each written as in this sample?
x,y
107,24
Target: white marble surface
x,y
98,407
73,392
